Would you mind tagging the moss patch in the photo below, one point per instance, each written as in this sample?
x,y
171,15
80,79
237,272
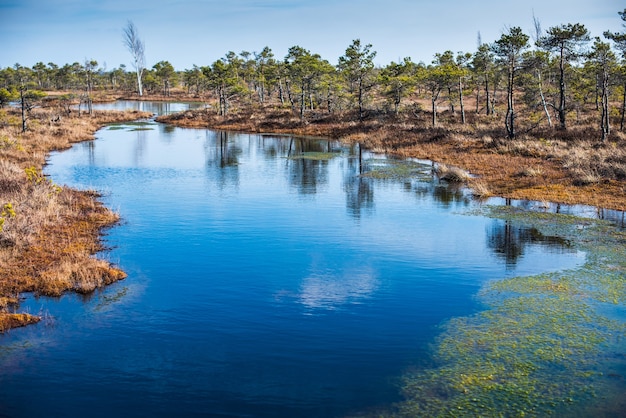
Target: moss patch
x,y
397,170
317,156
132,126
545,345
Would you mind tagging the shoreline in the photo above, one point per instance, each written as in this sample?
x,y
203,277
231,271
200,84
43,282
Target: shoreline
x,y
49,233
523,169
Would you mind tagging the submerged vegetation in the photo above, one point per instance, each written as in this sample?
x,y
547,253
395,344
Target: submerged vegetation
x,y
48,233
398,169
137,125
317,156
544,345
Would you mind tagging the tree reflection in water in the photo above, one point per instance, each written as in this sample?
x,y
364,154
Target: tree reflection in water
x,y
222,153
306,174
508,241
359,190
444,193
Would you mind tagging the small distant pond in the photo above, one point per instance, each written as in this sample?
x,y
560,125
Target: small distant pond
x,y
268,276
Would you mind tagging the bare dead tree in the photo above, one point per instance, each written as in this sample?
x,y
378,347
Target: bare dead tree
x,y
135,46
537,34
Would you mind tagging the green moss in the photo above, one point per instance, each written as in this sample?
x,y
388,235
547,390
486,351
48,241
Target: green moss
x,y
132,126
544,345
317,156
397,170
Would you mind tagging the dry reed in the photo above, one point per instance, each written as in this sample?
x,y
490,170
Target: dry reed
x,y
452,174
48,233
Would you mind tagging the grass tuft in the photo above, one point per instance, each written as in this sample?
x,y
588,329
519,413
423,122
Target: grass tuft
x,y
452,174
530,172
480,189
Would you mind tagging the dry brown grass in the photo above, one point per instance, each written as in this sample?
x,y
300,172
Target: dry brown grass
x,y
530,172
603,161
15,320
452,174
480,189
49,233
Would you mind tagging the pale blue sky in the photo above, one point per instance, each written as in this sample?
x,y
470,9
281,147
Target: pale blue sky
x,y
201,31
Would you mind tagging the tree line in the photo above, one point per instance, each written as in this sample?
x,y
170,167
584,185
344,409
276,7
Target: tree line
x,y
550,75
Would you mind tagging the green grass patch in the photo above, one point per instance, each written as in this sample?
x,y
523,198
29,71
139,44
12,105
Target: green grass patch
x,y
544,345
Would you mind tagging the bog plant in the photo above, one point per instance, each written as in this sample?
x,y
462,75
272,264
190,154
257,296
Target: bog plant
x,y
8,143
35,177
7,213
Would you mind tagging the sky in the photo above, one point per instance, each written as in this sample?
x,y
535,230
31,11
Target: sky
x,y
188,32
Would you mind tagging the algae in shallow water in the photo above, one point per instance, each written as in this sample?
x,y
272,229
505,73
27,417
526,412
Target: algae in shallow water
x,y
544,345
317,156
132,126
397,170
108,299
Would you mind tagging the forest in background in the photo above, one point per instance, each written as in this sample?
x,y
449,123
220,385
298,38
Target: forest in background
x,y
548,78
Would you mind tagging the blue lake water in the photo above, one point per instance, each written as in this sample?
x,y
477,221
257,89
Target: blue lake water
x,y
258,285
